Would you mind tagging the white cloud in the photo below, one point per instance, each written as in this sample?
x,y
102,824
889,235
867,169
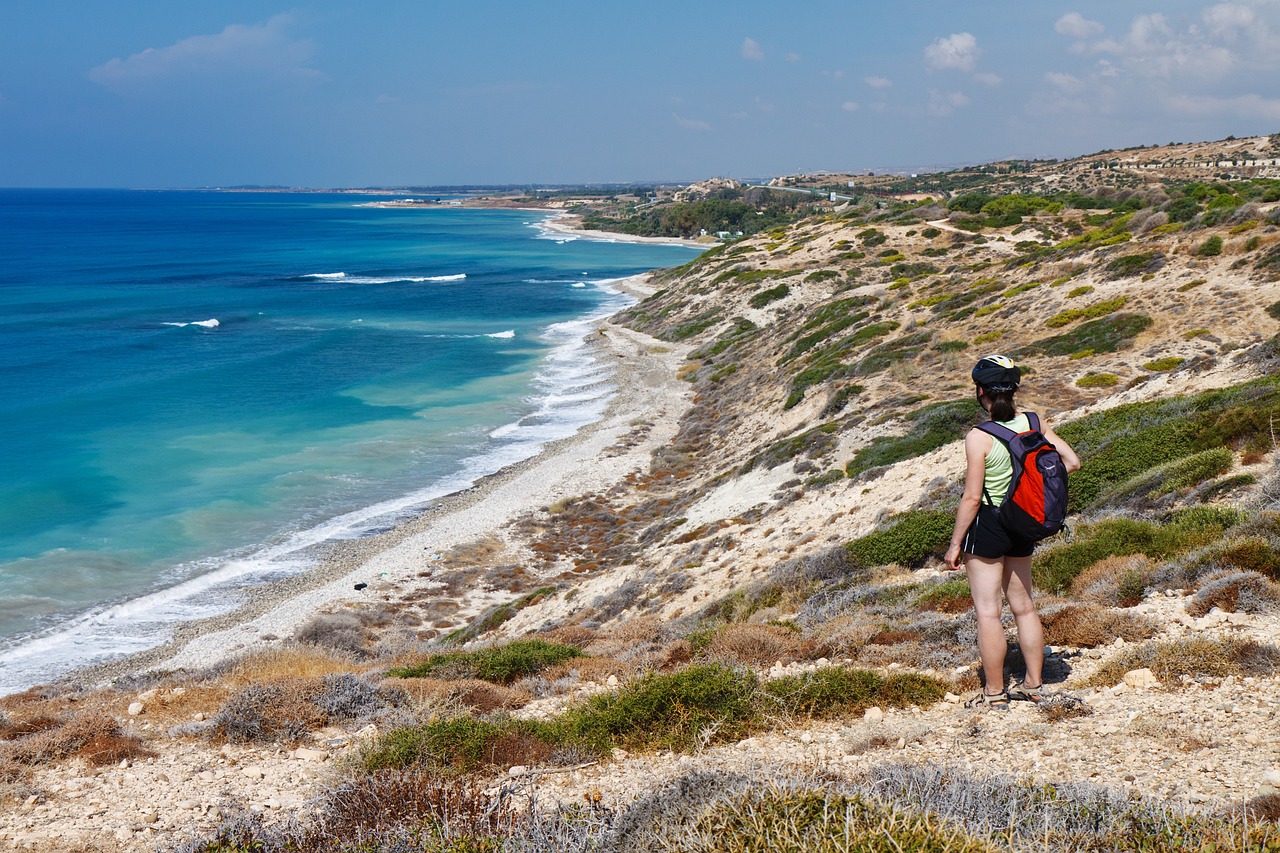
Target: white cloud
x,y
751,50
1066,82
958,52
850,106
1239,106
988,79
259,50
690,123
1077,26
792,57
943,104
878,82
1227,20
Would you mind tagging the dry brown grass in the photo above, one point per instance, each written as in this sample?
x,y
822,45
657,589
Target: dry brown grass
x,y
482,696
91,735
1233,591
1196,657
844,636
590,669
1174,734
1089,626
571,635
178,705
288,663
1114,581
756,645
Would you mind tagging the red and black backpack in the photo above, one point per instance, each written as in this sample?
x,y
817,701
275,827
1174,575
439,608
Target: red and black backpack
x,y
1035,507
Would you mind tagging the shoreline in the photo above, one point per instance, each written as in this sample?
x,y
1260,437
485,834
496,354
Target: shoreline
x,y
560,222
403,557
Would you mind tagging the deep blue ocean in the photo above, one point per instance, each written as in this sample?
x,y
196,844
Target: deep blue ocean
x,y
197,386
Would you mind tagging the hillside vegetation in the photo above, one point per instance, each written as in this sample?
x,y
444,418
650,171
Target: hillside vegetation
x,y
752,644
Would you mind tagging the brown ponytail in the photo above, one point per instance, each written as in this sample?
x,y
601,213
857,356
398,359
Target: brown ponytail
x,y
1002,408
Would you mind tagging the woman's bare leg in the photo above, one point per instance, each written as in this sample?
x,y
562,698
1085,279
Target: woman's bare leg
x,y
986,577
1017,588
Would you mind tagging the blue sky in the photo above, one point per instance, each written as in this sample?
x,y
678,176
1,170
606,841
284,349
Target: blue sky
x,y
144,93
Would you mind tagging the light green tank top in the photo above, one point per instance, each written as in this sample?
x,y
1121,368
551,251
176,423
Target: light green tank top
x,y
999,470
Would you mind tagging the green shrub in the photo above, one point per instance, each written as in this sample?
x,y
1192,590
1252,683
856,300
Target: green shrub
x,y
1054,568
934,425
816,821
1107,334
682,710
952,346
695,326
1123,442
949,597
1191,285
1099,309
1126,266
836,692
1211,247
1097,380
909,539
1020,288
461,744
1079,291
1175,475
500,664
822,275
764,297
1273,310
930,233
1161,364
812,442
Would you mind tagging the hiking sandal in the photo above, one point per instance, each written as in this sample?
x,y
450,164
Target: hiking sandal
x,y
990,701
1020,692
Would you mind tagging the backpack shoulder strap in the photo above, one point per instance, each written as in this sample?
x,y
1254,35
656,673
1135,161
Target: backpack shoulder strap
x,y
1001,432
1033,420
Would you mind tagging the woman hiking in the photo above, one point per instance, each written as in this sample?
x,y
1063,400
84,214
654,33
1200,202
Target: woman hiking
x,y
996,559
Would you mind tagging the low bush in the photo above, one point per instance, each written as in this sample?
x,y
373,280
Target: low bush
x,y
288,710
753,645
1120,443
817,821
1193,657
1235,592
1055,568
1162,364
764,297
908,539
1097,380
93,736
1174,476
1098,309
1107,334
931,427
682,710
463,744
1088,626
1212,247
949,597
1114,581
1127,266
501,664
834,691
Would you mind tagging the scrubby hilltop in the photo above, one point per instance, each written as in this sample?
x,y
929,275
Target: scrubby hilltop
x,y
749,642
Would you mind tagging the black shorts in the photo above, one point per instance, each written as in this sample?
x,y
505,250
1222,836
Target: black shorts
x,y
987,538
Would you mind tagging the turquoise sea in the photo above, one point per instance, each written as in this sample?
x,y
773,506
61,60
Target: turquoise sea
x,y
198,386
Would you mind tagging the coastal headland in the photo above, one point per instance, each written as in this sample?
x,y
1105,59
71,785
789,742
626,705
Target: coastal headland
x,y
719,612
